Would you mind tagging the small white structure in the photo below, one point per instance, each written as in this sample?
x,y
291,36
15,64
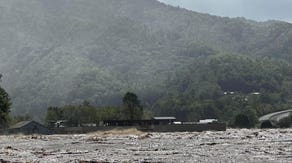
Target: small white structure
x,y
89,125
204,121
228,93
60,123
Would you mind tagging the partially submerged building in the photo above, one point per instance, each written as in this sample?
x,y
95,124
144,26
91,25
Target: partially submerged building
x,y
168,124
163,120
204,121
28,127
153,121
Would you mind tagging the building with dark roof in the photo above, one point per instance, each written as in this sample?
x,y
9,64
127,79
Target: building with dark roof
x,y
28,127
153,121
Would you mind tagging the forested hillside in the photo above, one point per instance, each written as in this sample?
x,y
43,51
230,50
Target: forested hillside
x,y
179,62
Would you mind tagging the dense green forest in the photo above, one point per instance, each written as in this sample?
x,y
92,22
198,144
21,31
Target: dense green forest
x,y
223,86
179,63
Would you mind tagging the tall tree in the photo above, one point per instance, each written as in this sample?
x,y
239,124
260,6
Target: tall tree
x,y
132,107
4,107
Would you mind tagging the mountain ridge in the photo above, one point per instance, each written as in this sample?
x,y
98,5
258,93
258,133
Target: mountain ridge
x,y
65,52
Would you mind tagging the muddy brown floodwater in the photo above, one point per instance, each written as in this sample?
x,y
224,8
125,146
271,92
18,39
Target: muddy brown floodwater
x,y
233,145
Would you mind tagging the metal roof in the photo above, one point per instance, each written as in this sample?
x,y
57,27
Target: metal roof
x,y
20,124
164,118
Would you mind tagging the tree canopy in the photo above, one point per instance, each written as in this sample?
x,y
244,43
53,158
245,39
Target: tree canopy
x,y
4,107
132,109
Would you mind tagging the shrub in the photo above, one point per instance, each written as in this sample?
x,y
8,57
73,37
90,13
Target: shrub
x,y
285,122
242,121
267,124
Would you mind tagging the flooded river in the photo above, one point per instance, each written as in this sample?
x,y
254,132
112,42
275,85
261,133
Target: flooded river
x,y
233,145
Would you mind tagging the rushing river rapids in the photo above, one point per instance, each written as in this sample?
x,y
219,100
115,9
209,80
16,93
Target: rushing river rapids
x,y
233,145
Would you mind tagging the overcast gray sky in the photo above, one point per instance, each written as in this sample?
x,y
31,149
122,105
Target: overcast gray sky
x,y
260,10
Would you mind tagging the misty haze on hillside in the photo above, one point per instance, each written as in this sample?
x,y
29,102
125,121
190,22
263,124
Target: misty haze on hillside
x,y
261,10
179,62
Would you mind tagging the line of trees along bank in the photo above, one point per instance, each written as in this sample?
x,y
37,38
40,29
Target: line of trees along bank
x,y
86,113
131,110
